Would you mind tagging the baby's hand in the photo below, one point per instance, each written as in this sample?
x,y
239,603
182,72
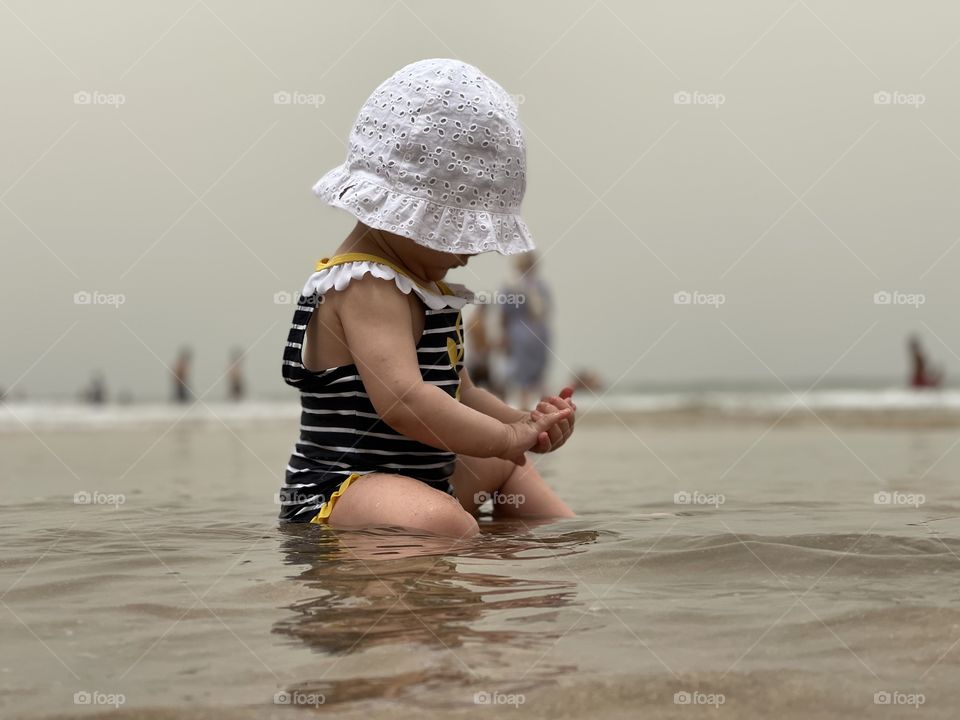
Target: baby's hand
x,y
560,432
531,432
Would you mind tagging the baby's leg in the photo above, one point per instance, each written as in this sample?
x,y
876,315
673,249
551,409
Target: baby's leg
x,y
380,499
525,493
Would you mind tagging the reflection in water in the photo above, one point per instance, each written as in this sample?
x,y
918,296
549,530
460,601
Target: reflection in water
x,y
380,588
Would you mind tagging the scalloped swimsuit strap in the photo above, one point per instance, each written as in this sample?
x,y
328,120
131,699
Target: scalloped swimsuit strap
x,y
294,370
324,263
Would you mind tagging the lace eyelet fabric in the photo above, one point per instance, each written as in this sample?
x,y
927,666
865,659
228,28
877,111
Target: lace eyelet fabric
x,y
437,154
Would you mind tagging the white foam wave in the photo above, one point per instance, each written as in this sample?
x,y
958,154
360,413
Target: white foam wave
x,y
24,416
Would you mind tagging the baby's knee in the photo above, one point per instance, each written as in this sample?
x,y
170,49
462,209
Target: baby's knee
x,y
453,521
464,525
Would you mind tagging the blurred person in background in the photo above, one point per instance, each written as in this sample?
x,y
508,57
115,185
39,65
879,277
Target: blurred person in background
x,y
480,351
526,308
921,374
237,388
586,379
181,376
96,392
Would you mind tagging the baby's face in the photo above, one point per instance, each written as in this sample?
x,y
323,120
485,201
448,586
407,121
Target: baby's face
x,y
436,264
433,264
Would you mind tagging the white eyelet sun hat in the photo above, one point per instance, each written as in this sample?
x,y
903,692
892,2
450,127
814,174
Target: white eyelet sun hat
x,y
437,155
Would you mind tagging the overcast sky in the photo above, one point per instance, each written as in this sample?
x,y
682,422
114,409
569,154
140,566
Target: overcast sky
x,y
738,150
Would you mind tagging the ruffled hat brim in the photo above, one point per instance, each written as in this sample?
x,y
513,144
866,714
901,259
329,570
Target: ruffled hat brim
x,y
438,227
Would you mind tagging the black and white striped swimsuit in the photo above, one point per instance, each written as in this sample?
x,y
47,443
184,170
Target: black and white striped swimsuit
x,y
341,434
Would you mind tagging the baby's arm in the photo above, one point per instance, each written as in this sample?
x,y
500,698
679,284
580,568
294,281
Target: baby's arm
x,y
378,329
486,402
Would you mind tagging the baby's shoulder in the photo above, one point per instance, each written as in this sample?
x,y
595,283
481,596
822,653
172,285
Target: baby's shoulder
x,y
382,281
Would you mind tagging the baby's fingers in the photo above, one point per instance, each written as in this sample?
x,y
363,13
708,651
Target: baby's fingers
x,y
543,422
560,402
567,394
557,431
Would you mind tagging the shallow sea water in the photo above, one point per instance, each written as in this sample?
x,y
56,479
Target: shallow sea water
x,y
795,594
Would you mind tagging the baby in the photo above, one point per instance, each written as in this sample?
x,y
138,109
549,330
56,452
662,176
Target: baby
x,y
392,431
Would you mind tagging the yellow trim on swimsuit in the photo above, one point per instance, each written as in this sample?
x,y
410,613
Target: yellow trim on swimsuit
x,y
455,348
455,354
321,517
324,263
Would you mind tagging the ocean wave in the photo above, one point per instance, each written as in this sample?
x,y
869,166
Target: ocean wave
x,y
876,400
24,416
18,417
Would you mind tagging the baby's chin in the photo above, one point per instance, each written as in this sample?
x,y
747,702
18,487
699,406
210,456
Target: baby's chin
x,y
436,273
